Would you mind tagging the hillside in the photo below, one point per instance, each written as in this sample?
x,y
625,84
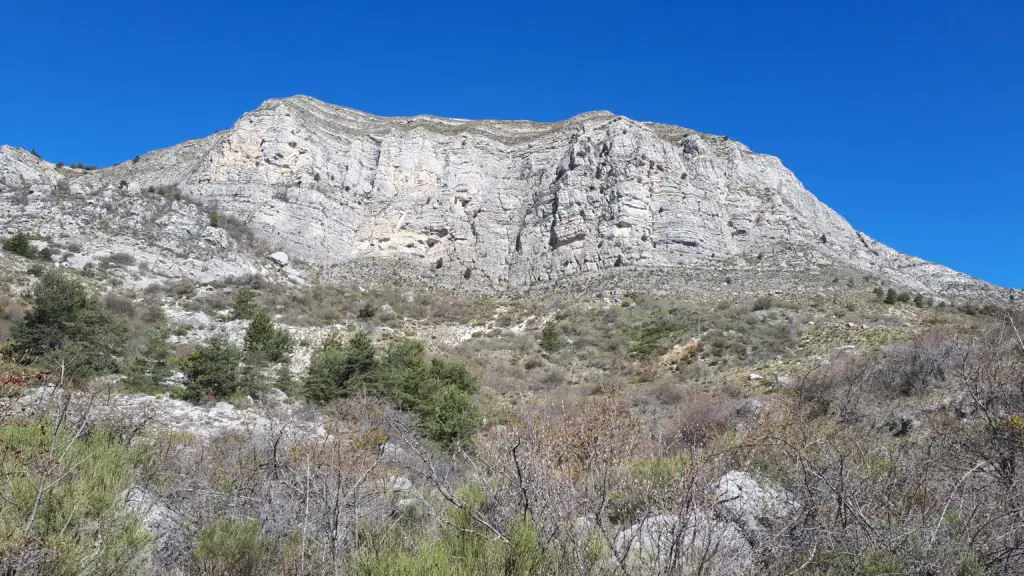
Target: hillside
x,y
324,342
482,206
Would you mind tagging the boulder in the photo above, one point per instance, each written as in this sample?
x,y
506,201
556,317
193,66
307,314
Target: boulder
x,y
668,544
279,258
758,508
275,397
400,484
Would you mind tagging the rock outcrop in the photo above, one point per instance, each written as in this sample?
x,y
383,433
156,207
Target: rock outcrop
x,y
757,508
670,544
485,206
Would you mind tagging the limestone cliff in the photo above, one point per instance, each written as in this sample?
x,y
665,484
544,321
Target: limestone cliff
x,y
487,206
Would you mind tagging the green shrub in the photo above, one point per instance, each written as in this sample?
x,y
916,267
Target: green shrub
x,y
550,338
214,218
213,370
449,417
21,245
338,369
648,481
463,549
366,312
146,370
65,316
62,495
265,342
119,258
437,390
654,337
891,296
245,304
403,376
233,547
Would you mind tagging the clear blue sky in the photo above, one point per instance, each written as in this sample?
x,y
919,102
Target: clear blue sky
x,y
905,116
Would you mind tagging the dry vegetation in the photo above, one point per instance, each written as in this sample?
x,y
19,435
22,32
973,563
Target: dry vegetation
x,y
871,437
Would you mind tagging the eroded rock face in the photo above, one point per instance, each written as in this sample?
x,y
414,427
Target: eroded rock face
x,y
479,205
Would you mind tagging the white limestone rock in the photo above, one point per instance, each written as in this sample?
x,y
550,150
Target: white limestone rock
x,y
669,544
480,206
279,258
757,508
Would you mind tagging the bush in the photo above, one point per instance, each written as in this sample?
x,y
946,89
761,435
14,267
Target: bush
x,y
62,494
265,342
462,549
21,245
64,316
214,219
437,390
231,547
891,296
337,369
449,417
366,312
403,375
146,370
213,370
120,304
120,258
245,304
550,339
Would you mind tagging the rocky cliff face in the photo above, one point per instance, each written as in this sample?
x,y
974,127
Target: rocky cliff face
x,y
480,205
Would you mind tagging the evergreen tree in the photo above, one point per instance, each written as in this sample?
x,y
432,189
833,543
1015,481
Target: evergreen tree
x,y
245,303
152,365
64,315
338,369
891,296
21,245
213,369
265,342
550,339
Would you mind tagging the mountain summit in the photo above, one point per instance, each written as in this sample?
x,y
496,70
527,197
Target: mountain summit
x,y
482,206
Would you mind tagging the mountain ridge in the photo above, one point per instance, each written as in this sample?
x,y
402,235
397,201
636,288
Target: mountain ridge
x,y
486,206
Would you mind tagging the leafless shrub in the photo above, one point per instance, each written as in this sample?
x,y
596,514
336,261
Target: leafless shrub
x,y
120,304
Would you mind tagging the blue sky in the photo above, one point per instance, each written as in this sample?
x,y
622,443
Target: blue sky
x,y
906,117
